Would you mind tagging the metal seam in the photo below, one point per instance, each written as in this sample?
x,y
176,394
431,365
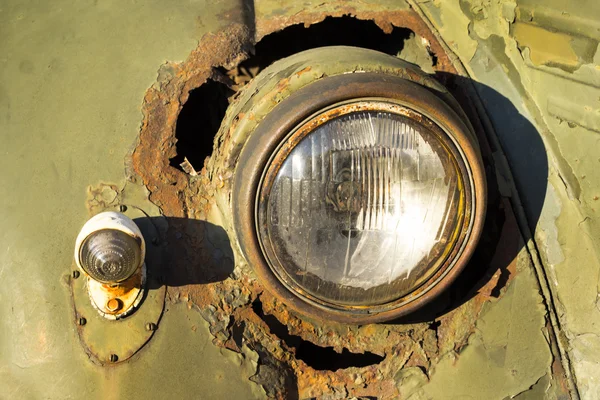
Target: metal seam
x,y
516,203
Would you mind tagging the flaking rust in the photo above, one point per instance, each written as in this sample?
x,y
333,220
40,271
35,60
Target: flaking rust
x,y
229,303
169,187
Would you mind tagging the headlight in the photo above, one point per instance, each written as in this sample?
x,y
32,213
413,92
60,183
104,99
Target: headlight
x,y
361,196
362,203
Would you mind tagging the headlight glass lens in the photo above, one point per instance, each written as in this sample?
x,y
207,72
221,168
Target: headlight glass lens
x,y
110,255
358,208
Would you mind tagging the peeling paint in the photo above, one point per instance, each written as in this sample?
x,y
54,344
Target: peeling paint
x,y
545,47
490,17
416,51
213,295
586,353
547,232
572,166
505,355
452,23
229,305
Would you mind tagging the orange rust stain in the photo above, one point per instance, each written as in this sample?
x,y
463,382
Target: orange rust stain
x,y
385,20
303,71
162,103
177,196
161,108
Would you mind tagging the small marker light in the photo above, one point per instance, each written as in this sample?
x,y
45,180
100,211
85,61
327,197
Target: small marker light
x,y
110,247
110,255
110,250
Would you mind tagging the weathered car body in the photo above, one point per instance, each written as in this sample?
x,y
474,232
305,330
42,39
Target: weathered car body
x,y
100,104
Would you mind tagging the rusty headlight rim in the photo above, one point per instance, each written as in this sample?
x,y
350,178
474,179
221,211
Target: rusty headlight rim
x,y
305,128
299,106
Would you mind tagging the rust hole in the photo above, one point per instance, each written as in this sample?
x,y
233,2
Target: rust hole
x,y
277,368
317,357
341,31
198,123
201,116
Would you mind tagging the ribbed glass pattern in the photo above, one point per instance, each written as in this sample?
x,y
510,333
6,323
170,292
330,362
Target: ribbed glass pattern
x,y
110,255
363,208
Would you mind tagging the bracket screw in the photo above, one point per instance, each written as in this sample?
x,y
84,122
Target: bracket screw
x,y
114,305
81,321
151,326
76,274
114,358
122,208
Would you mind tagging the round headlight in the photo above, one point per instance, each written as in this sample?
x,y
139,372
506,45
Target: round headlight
x,y
362,203
359,197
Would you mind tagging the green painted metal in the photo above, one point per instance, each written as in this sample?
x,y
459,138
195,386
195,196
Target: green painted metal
x,y
544,58
102,338
72,80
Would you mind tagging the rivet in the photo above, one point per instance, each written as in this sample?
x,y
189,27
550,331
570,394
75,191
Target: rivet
x,y
76,274
81,321
151,326
122,208
114,358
